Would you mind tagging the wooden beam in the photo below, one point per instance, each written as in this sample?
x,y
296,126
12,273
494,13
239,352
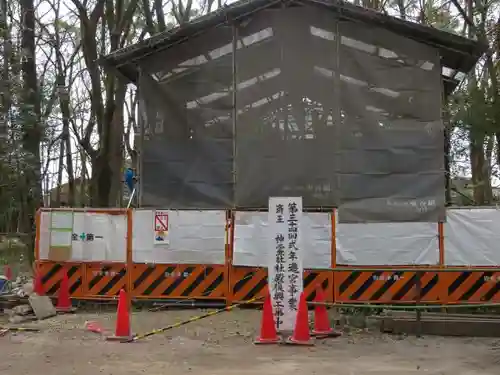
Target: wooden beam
x,y
373,69
357,103
217,74
206,43
413,85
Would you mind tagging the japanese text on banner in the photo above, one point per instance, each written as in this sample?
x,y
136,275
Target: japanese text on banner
x,y
285,266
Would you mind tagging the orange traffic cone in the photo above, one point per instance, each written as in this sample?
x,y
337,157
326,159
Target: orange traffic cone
x,y
322,327
8,272
301,334
37,285
268,334
122,330
63,300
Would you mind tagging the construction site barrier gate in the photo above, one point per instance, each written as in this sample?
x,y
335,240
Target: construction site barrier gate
x,y
220,256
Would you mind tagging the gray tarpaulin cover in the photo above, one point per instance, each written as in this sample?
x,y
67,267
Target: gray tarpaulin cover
x,y
293,102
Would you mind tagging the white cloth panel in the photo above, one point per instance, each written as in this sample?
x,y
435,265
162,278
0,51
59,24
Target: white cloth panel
x,y
388,244
107,241
194,237
44,233
472,237
110,237
251,242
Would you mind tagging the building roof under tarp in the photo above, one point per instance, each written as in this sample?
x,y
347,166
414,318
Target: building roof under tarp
x,y
458,54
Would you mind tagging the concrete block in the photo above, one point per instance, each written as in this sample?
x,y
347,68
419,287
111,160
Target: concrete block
x,y
42,306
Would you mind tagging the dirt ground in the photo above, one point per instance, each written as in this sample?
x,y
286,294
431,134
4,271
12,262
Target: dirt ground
x,y
222,345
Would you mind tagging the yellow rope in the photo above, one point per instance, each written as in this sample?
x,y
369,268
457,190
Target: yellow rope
x,y
193,319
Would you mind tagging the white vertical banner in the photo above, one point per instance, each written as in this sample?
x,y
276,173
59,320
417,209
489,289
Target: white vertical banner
x,y
285,259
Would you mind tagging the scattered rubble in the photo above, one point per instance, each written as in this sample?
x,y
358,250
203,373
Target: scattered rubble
x,y
20,304
21,287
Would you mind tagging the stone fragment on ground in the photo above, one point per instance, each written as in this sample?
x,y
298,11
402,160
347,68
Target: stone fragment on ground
x,y
42,306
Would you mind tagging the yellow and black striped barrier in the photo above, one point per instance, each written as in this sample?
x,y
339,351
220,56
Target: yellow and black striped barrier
x,y
52,273
190,320
20,329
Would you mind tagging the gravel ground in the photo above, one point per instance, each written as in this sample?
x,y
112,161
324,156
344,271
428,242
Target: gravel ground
x,y
222,345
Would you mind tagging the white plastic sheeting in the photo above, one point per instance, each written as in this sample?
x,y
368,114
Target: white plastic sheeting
x,y
387,243
472,237
195,237
251,241
113,231
357,244
107,241
44,237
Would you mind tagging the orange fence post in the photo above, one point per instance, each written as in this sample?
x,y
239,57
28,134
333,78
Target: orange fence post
x,y
35,265
229,255
333,251
443,277
441,243
37,235
130,261
227,258
85,280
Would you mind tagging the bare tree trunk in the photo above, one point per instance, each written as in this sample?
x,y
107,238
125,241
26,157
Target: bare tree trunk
x,y
181,12
107,114
401,8
32,129
477,167
160,15
5,87
60,170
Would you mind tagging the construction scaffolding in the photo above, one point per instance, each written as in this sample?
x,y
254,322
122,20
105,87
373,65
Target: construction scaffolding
x,y
342,109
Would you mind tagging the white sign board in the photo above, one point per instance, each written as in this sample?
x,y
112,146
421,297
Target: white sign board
x,y
285,263
67,236
99,237
160,227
